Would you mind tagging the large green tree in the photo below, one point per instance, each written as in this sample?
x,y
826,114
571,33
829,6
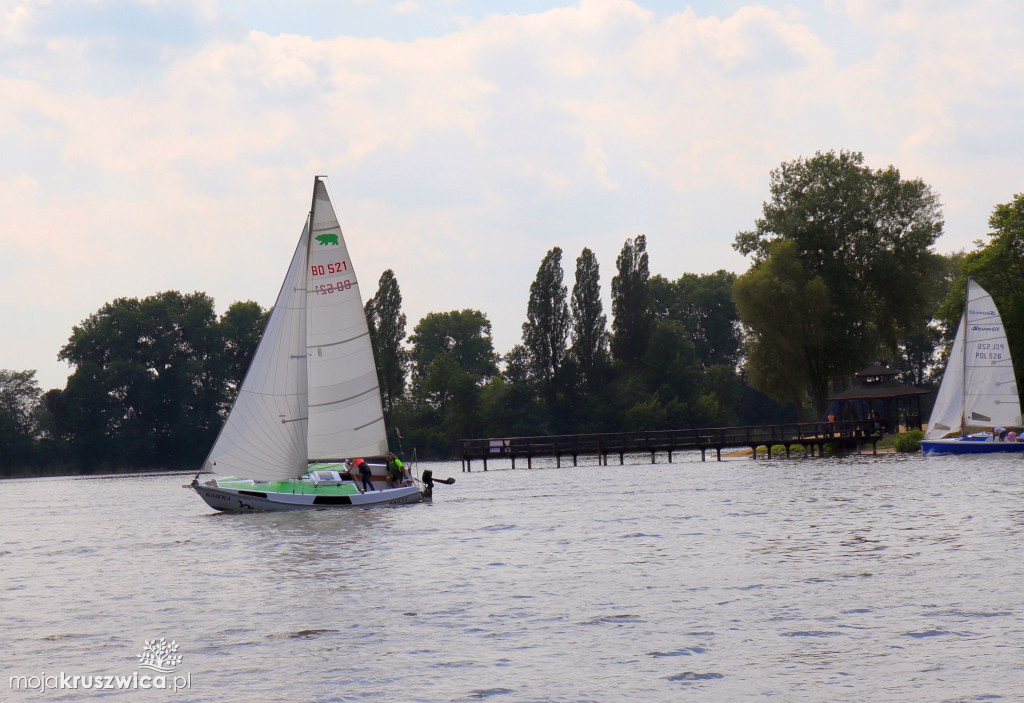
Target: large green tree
x,y
920,360
998,265
152,378
867,236
146,361
510,400
88,417
671,373
19,403
783,305
589,325
459,340
387,330
239,330
452,359
703,305
547,324
631,311
702,309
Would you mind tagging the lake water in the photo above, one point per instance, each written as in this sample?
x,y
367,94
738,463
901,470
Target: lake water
x,y
855,579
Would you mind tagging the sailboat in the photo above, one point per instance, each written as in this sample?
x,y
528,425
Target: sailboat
x,y
977,406
310,399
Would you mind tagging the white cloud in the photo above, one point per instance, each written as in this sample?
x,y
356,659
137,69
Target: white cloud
x,y
460,159
13,23
408,7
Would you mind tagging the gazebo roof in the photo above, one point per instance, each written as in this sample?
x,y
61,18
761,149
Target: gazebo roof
x,y
875,370
869,391
877,382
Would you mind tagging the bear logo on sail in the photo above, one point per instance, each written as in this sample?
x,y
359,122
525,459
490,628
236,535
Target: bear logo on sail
x,y
324,239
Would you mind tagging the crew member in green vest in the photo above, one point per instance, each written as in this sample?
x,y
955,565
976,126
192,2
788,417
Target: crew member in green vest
x,y
395,470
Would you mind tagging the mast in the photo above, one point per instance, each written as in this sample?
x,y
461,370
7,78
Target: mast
x,y
305,293
963,361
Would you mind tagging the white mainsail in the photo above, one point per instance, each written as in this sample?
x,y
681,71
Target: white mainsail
x,y
979,390
346,418
311,390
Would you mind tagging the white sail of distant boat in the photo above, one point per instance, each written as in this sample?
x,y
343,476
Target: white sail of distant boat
x,y
311,393
978,390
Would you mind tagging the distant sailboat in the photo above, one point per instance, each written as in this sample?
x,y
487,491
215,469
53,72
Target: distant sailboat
x,y
310,399
978,393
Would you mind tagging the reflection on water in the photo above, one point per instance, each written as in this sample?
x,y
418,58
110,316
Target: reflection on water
x,y
301,544
864,578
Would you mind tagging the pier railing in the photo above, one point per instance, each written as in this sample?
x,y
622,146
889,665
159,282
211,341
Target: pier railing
x,y
809,435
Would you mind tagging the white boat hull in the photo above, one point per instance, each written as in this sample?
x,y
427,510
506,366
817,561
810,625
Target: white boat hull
x,y
232,500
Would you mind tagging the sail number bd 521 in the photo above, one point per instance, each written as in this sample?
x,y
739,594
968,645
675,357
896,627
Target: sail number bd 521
x,y
332,268
324,270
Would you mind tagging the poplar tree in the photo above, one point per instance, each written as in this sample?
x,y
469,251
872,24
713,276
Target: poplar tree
x,y
547,327
631,323
589,335
386,321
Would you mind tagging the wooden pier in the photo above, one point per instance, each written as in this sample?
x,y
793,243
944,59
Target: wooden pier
x,y
811,436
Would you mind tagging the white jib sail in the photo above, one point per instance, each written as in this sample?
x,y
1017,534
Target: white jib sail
x,y
979,385
949,403
264,436
345,415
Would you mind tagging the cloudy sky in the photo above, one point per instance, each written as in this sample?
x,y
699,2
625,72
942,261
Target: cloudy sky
x,y
149,145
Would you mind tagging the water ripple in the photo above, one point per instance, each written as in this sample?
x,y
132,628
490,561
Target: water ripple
x,y
864,578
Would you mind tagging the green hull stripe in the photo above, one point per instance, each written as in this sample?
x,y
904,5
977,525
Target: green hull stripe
x,y
292,487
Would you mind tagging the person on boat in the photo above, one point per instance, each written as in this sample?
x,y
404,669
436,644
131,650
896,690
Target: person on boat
x,y
428,483
395,471
364,472
999,433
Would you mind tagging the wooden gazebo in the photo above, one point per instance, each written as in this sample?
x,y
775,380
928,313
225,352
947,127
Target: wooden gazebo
x,y
875,394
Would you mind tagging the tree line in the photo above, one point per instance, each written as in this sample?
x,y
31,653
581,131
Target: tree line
x,y
842,274
670,358
152,382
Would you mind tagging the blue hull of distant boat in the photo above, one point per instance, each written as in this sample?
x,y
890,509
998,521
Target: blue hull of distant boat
x,y
969,446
